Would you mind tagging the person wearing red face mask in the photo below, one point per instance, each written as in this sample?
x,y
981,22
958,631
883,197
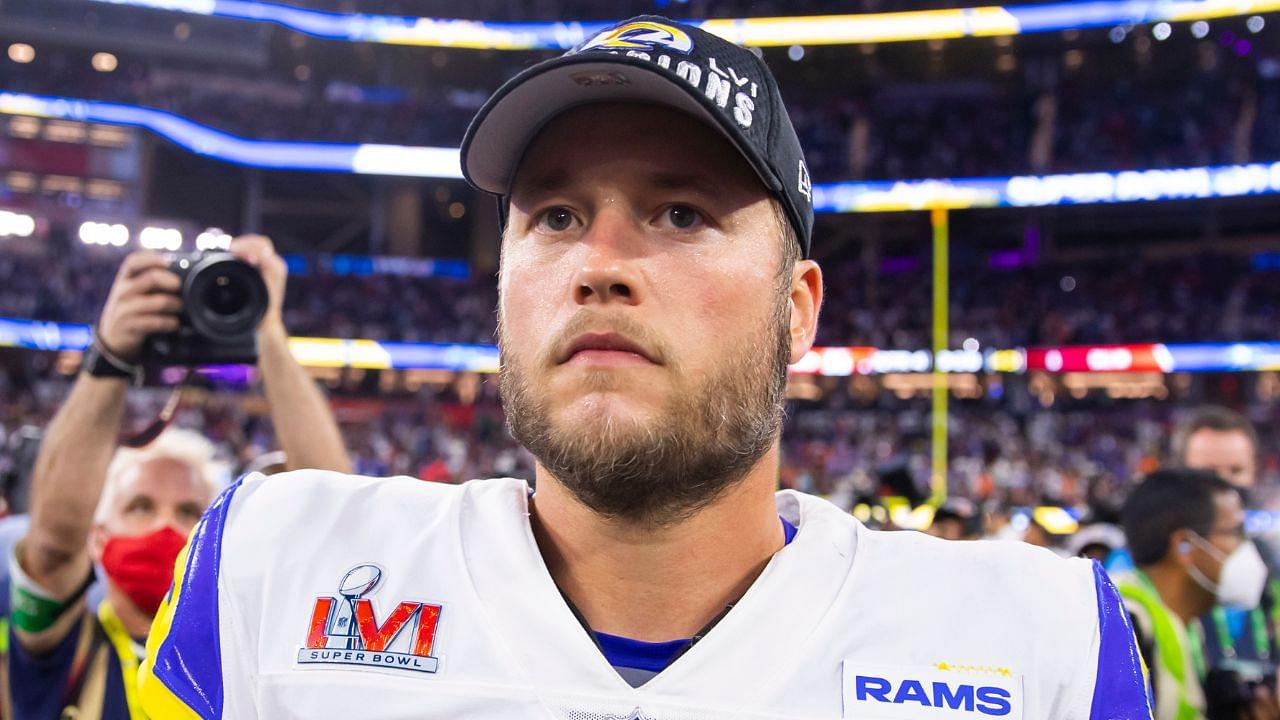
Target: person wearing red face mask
x,y
129,512
151,500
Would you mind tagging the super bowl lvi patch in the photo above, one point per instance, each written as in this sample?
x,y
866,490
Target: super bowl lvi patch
x,y
345,630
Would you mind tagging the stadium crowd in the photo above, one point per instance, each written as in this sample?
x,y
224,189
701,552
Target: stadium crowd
x,y
1006,452
1202,298
1010,449
1179,103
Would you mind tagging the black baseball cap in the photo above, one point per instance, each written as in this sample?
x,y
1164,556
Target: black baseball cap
x,y
649,59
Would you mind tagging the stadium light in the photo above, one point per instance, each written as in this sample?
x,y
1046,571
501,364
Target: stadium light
x,y
90,232
1200,29
363,159
22,53
873,196
14,224
101,233
826,361
104,62
213,239
160,238
990,20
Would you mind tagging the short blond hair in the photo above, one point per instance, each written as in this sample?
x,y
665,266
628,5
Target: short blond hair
x,y
185,446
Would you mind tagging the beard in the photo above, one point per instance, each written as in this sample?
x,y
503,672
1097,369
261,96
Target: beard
x,y
660,471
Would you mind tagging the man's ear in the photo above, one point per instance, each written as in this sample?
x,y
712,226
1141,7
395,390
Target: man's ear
x,y
1180,546
806,303
98,537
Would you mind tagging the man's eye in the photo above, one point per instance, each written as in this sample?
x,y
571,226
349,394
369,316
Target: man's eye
x,y
557,219
682,216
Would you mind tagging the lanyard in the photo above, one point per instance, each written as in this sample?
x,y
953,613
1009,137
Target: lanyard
x,y
127,650
1192,633
1257,629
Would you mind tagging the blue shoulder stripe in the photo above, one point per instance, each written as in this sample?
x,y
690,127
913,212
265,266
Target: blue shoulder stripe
x,y
788,531
189,658
1120,688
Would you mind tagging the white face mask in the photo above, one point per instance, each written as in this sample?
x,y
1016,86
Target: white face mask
x,y
1243,576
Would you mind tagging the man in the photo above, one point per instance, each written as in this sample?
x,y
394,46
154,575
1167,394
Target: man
x,y
1223,441
130,511
654,287
1186,533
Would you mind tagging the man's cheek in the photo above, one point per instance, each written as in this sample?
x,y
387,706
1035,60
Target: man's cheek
x,y
724,304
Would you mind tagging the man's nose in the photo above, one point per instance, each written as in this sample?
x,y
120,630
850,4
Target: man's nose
x,y
608,273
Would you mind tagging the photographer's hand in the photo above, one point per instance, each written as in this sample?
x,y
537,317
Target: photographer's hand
x,y
143,301
300,413
260,252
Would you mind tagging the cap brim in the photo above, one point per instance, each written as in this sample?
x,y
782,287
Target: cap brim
x,y
513,117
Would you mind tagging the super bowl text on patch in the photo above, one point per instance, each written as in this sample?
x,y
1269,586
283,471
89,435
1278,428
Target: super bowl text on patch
x,y
931,692
345,630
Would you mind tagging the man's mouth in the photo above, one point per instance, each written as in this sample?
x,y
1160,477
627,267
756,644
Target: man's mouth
x,y
608,348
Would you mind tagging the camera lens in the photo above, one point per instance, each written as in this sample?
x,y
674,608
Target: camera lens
x,y
225,294
224,297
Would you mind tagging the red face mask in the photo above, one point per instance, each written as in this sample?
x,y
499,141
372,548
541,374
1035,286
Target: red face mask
x,y
142,565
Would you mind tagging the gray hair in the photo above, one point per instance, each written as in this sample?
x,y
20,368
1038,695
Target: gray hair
x,y
185,446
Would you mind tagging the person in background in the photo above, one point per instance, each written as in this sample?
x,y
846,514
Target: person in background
x,y
1222,440
1186,533
1096,541
956,519
1037,534
130,511
1225,442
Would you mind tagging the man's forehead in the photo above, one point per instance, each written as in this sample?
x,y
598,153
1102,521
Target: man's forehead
x,y
550,180
1208,439
163,474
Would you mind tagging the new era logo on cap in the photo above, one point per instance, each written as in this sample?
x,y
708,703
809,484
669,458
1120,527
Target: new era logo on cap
x,y
650,59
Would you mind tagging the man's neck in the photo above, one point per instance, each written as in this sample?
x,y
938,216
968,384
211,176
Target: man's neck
x,y
666,583
136,622
1178,592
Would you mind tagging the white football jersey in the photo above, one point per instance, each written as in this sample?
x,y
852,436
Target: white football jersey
x,y
319,595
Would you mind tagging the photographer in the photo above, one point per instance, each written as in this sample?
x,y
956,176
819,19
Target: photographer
x,y
1186,531
127,511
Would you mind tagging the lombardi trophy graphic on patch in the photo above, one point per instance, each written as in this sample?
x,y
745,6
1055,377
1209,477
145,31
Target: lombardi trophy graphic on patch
x,y
358,582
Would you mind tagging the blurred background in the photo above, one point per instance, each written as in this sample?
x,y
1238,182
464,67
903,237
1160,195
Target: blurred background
x,y
1049,231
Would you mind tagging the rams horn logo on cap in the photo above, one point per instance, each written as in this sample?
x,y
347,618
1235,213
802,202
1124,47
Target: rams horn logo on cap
x,y
642,35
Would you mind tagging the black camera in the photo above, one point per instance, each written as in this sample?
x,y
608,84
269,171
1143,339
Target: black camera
x,y
1230,688
223,300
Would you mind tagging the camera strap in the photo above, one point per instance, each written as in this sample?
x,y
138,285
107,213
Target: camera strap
x,y
148,434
